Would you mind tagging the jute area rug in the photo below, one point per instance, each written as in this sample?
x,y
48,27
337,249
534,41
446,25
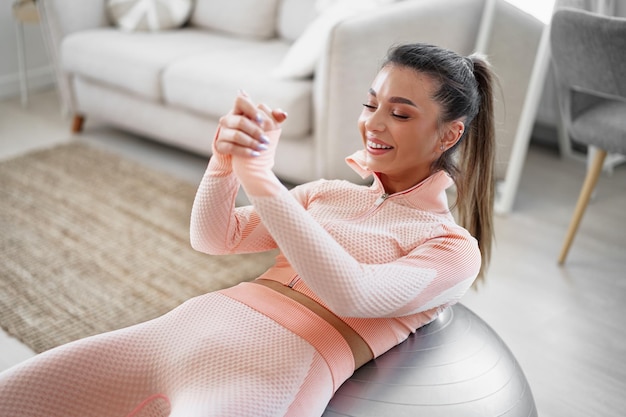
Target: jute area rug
x,y
92,242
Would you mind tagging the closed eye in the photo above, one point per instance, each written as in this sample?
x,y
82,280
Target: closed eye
x,y
372,107
400,116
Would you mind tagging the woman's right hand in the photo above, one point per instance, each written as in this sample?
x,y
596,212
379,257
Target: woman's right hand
x,y
242,130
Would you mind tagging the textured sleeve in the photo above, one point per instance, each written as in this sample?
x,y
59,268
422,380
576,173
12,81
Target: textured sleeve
x,y
217,227
433,275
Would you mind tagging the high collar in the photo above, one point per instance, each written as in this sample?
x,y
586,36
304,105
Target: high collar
x,y
429,194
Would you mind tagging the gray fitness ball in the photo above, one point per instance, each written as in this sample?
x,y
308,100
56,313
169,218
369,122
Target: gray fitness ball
x,y
455,366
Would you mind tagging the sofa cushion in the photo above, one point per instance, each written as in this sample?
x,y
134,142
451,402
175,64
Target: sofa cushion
x,y
133,61
207,83
248,18
302,58
148,15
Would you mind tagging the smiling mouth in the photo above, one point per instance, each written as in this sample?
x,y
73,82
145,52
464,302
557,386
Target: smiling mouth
x,y
373,145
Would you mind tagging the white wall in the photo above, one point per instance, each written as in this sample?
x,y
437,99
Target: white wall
x,y
39,70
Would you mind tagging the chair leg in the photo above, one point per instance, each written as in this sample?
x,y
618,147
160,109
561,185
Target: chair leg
x,y
77,123
593,173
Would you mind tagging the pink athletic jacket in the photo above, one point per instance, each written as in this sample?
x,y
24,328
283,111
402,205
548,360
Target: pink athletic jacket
x,y
386,264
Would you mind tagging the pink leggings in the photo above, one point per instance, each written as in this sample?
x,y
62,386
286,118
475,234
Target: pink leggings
x,y
212,356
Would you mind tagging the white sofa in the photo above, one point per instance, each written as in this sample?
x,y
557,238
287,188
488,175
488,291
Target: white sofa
x,y
173,85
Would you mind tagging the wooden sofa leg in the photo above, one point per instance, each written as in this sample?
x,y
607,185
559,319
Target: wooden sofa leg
x,y
77,123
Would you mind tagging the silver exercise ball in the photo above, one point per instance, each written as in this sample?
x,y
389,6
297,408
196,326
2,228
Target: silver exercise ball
x,y
455,366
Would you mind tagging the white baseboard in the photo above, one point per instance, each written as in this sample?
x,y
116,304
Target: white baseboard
x,y
38,78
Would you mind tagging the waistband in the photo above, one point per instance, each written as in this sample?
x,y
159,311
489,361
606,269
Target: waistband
x,y
301,320
360,349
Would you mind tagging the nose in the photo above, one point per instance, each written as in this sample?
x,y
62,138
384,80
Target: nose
x,y
374,121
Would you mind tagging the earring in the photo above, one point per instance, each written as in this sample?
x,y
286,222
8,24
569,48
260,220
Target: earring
x,y
442,148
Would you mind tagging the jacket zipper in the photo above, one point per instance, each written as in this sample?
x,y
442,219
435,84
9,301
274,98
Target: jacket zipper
x,y
381,199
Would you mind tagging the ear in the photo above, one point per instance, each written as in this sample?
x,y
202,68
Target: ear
x,y
452,134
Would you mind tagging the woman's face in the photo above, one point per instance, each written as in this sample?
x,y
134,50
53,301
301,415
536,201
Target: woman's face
x,y
399,127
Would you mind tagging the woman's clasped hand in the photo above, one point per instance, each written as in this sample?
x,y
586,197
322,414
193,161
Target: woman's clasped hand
x,y
243,131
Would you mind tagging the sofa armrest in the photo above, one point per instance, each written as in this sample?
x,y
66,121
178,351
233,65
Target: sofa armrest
x,y
352,57
59,18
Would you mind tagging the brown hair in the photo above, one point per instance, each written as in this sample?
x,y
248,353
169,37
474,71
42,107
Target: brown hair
x,y
465,92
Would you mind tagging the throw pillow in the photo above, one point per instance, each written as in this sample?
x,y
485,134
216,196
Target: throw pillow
x,y
149,15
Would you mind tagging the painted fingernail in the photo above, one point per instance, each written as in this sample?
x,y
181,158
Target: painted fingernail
x,y
243,92
255,153
264,139
261,147
259,118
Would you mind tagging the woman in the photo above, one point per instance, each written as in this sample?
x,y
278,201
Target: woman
x,y
360,268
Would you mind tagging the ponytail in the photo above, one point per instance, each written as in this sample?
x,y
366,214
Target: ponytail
x,y
476,182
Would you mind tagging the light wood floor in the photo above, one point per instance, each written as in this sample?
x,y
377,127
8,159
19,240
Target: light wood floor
x,y
565,324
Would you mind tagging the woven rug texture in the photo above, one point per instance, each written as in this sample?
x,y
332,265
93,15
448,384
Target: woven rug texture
x,y
91,242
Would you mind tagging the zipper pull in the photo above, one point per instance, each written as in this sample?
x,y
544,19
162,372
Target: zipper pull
x,y
380,199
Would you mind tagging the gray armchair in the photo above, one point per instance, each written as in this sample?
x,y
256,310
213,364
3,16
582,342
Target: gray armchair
x,y
589,55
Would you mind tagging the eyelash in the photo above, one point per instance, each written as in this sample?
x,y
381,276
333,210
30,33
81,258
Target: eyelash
x,y
397,116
